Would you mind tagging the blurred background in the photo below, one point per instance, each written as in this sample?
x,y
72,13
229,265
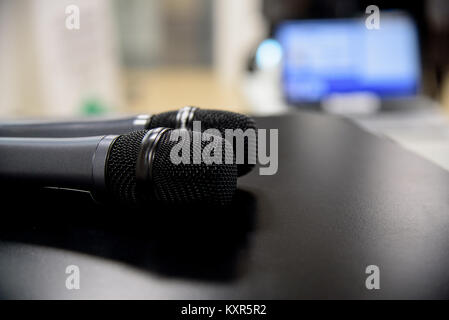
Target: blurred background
x,y
252,56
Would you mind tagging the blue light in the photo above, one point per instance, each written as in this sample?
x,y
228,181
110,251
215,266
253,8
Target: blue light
x,y
268,54
326,57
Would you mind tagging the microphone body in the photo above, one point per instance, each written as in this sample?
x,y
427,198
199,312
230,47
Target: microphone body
x,y
133,169
73,129
61,162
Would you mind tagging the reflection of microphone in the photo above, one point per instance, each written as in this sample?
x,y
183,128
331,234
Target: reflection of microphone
x,y
183,118
132,168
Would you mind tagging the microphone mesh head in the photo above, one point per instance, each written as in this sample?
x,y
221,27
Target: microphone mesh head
x,y
164,119
121,167
216,119
213,183
172,183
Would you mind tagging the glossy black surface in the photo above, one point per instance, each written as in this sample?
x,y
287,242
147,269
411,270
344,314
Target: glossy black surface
x,y
342,199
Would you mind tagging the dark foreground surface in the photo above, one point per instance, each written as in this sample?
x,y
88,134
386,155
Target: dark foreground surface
x,y
342,200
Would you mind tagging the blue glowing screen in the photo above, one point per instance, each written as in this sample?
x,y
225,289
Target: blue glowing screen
x,y
321,57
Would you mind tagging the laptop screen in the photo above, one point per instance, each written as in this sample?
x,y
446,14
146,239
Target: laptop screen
x,y
321,57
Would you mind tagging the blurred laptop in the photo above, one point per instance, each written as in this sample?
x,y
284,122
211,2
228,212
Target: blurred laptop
x,y
342,56
372,76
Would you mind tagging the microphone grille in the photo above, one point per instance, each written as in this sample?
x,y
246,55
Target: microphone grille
x,y
220,120
223,120
121,166
171,183
211,183
164,119
217,119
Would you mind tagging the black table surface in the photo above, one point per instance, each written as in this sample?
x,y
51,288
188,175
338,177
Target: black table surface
x,y
341,200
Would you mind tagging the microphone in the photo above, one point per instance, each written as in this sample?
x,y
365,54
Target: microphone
x,y
133,169
183,118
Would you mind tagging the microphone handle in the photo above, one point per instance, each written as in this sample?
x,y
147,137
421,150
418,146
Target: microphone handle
x,y
70,129
74,163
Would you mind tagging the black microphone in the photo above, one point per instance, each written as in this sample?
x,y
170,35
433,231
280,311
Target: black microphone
x,y
133,169
183,118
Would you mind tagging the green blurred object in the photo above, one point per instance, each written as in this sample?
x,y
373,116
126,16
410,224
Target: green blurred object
x,y
93,107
